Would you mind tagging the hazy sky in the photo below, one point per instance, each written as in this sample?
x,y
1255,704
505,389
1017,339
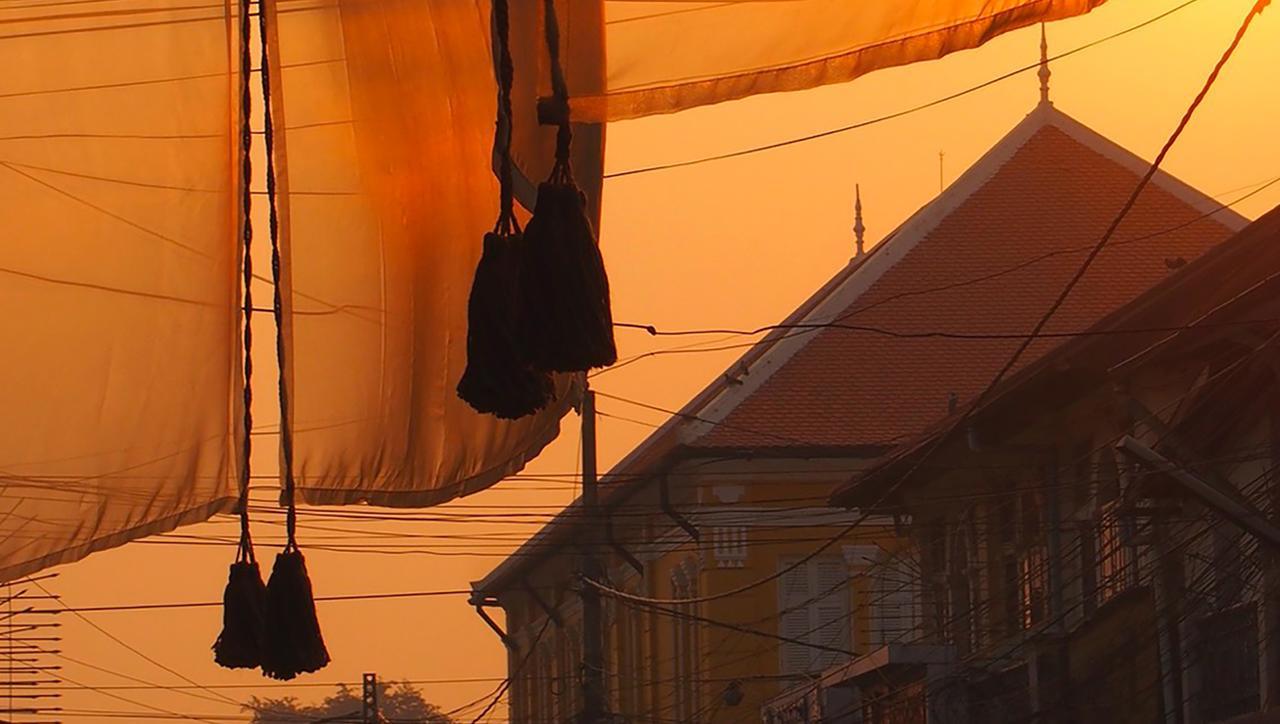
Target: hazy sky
x,y
735,243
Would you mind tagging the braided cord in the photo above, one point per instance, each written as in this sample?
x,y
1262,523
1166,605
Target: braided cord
x,y
277,304
560,91
505,72
244,552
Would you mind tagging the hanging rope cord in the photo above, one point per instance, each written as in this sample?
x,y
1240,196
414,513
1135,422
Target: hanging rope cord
x,y
562,173
277,303
505,71
244,552
972,407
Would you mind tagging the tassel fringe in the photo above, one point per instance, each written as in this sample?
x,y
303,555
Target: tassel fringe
x,y
498,380
293,643
239,646
568,323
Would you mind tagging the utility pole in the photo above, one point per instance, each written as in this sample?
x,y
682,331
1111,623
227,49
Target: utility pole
x,y
593,692
369,700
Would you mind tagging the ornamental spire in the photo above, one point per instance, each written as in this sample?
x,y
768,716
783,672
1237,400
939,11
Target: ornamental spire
x,y
1044,72
858,228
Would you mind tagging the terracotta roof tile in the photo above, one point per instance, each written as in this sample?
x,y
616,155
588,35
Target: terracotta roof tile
x,y
1055,195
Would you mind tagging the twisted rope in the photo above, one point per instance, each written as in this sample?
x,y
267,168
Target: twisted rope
x,y
505,71
277,305
562,172
244,552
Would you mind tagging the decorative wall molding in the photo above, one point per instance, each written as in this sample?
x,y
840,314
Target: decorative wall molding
x,y
729,546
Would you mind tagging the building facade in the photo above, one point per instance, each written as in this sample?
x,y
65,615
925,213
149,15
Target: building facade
x,y
1099,541
682,661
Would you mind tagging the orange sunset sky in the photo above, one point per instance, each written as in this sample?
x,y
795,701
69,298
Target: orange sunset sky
x,y
734,243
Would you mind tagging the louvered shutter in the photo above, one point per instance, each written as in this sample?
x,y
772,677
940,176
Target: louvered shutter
x,y
831,612
793,591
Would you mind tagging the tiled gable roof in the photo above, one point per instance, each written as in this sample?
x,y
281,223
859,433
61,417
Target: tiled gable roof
x,y
995,250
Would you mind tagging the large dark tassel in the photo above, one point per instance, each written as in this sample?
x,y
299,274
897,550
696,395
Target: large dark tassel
x,y
497,379
568,324
239,646
293,644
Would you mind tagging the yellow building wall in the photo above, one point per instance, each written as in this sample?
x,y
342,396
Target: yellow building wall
x,y
644,674
754,661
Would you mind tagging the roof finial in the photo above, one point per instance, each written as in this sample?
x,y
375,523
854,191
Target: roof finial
x,y
858,228
1044,67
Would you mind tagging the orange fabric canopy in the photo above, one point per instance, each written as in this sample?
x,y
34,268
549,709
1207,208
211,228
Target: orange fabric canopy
x,y
120,380
669,55
120,179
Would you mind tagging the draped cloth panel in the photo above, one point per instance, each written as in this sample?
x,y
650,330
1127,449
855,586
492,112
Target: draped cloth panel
x,y
388,110
670,55
119,170
120,379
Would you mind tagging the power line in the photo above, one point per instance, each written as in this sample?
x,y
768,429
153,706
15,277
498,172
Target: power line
x,y
152,710
942,334
1184,543
699,347
1197,519
973,611
845,582
1043,320
80,615
212,604
277,685
861,518
506,683
896,114
1124,212
1039,327
697,418
1014,358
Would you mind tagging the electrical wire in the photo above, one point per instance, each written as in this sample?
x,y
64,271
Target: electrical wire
x,y
213,604
506,683
1036,330
897,114
1225,371
279,684
1266,475
945,334
151,708
797,330
135,651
